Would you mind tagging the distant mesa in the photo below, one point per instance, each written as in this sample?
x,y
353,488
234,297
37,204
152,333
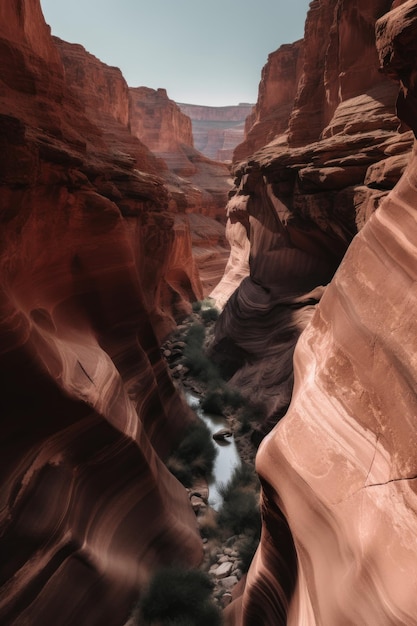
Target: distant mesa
x,y
217,130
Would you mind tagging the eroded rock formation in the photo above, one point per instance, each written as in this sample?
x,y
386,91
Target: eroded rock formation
x,y
300,205
217,130
91,271
136,120
277,90
158,121
339,470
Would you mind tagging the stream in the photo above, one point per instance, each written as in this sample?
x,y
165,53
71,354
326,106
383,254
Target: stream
x,y
227,458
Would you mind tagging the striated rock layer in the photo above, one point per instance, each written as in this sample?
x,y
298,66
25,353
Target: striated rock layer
x,y
339,471
158,121
91,271
277,91
217,130
132,118
296,208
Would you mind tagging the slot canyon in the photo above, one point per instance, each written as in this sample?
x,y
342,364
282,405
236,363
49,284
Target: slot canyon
x,y
282,237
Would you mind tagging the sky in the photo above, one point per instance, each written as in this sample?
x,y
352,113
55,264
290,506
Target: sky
x,y
208,52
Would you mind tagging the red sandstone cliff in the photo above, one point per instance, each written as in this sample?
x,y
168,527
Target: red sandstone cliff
x,y
339,470
134,121
277,90
91,270
158,121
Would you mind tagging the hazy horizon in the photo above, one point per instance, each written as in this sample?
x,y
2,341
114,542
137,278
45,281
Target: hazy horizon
x,y
205,55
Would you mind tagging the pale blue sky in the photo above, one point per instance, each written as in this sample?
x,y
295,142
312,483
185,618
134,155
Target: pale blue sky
x,y
201,51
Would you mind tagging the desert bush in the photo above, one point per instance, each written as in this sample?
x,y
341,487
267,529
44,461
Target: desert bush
x,y
232,397
196,306
179,597
251,413
239,512
195,335
194,357
213,402
219,396
247,548
209,315
194,455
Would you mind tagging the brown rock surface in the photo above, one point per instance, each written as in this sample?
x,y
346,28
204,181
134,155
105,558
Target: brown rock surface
x,y
339,470
89,272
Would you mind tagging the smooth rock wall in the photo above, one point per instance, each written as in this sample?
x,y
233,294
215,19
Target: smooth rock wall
x,y
339,470
88,409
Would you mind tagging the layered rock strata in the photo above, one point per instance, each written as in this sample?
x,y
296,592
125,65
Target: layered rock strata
x,y
198,184
295,208
158,121
217,130
277,91
132,118
90,273
339,470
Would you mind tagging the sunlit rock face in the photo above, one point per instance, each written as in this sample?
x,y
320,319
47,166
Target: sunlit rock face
x,y
88,410
277,91
295,208
339,471
158,121
102,93
199,184
136,120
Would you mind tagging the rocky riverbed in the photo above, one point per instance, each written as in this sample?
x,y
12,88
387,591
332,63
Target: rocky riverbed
x,y
223,554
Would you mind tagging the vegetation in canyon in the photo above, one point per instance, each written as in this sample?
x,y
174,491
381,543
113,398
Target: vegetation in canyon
x,y
234,528
179,597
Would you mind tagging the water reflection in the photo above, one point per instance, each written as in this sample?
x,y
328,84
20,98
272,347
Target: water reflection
x,y
227,455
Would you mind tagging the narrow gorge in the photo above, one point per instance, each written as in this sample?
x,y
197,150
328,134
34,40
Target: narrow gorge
x,y
273,278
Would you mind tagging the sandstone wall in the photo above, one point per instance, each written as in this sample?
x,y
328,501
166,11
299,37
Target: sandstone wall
x,y
100,87
134,121
158,121
277,90
300,205
88,409
339,470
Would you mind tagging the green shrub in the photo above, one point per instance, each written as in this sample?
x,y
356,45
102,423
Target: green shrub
x,y
232,397
194,455
209,315
194,358
213,402
196,306
195,335
219,396
250,413
240,508
179,597
247,548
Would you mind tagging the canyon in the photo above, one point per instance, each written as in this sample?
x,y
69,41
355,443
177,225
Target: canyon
x,y
218,130
336,182
112,224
